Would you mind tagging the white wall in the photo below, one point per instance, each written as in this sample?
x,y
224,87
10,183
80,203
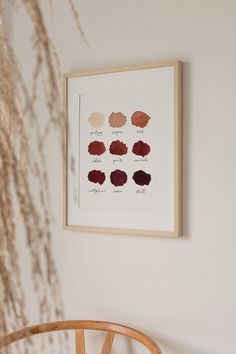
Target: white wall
x,y
179,291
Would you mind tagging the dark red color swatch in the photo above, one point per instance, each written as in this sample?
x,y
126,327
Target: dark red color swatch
x,y
118,178
140,119
96,176
141,178
140,148
96,148
118,148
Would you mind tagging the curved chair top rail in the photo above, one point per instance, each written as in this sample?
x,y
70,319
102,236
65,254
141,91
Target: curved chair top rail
x,y
79,326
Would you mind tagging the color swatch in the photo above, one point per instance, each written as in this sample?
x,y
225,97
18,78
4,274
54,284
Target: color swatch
x,y
141,178
118,178
96,148
140,119
96,119
117,120
141,149
96,176
118,148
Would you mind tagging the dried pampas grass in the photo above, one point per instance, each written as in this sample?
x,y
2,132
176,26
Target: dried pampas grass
x,y
18,165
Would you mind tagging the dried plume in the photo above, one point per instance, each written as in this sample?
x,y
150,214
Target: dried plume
x,y
19,165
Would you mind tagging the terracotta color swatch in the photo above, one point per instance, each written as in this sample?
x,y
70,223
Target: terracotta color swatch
x,y
140,119
118,148
96,176
96,148
117,120
96,119
118,178
141,178
141,149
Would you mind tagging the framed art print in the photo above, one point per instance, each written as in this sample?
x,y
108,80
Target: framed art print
x,y
122,170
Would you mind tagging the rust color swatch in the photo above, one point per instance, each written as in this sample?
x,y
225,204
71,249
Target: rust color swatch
x,y
96,176
140,119
118,178
118,148
141,149
117,120
96,148
141,178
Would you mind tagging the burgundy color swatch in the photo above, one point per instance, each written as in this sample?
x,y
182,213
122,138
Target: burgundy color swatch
x,y
96,176
96,148
140,148
140,119
118,178
141,178
118,148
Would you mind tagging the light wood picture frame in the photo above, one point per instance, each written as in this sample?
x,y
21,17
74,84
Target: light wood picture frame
x,y
123,150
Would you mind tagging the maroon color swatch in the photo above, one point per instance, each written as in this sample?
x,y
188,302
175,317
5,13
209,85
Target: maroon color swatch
x,y
118,178
141,149
96,176
118,148
141,178
96,148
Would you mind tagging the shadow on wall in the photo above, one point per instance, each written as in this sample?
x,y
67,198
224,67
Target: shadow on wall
x,y
187,160
168,345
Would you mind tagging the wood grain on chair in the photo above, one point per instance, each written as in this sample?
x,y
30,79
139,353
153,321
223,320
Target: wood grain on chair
x,y
79,327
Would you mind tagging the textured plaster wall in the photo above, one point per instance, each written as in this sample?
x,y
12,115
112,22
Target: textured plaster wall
x,y
179,291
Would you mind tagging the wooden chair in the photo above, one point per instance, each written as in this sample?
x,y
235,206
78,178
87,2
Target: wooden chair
x,y
79,327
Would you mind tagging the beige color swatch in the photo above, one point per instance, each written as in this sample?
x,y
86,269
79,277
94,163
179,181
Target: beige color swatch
x,y
96,119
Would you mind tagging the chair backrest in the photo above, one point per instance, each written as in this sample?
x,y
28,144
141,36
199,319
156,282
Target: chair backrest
x,y
79,327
